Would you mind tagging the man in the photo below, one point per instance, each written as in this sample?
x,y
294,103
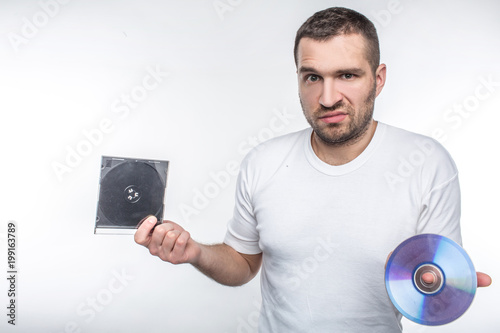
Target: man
x,y
321,209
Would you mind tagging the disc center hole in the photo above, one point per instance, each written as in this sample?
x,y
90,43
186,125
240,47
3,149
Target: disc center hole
x,y
429,279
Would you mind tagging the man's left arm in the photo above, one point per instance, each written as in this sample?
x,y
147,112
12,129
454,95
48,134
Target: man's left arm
x,y
441,205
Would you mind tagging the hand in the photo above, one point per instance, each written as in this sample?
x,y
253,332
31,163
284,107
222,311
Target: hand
x,y
169,241
483,280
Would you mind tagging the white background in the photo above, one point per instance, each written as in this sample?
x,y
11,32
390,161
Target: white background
x,y
64,70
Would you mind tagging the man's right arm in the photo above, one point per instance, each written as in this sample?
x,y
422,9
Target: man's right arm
x,y
171,243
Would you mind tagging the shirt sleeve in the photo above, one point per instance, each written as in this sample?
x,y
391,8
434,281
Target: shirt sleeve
x,y
440,207
242,234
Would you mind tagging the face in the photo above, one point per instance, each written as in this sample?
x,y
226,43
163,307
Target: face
x,y
337,87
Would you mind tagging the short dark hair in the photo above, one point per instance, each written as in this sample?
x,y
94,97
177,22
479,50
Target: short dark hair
x,y
336,21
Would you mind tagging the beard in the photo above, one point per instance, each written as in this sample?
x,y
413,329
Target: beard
x,y
342,134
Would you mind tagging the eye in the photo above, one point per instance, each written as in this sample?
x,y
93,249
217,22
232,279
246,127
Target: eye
x,y
348,76
312,78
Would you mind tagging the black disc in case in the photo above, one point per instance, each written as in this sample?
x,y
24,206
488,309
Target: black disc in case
x,y
129,190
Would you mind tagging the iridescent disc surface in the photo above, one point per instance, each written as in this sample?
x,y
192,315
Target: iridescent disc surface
x,y
436,304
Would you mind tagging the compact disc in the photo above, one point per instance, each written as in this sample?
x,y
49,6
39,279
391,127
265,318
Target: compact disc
x,y
444,297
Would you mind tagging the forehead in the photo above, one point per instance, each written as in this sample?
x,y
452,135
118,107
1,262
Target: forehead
x,y
336,52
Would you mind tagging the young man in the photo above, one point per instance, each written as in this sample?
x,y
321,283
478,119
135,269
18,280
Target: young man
x,y
322,208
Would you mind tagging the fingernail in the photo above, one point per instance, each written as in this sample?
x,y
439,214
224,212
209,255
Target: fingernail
x,y
152,220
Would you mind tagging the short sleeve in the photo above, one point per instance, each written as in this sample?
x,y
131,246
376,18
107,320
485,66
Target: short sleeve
x,y
242,234
440,209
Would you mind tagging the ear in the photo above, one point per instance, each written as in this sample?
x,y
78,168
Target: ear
x,y
380,74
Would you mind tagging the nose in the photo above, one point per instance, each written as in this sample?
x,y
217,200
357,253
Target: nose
x,y
330,94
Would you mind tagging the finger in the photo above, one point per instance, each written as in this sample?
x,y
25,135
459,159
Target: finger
x,y
428,278
170,240
143,234
387,260
159,242
163,243
483,280
174,225
158,238
179,249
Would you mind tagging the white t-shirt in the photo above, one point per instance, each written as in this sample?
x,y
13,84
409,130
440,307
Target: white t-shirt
x,y
326,231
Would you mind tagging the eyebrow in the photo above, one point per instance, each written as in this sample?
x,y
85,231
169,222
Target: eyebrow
x,y
303,69
353,70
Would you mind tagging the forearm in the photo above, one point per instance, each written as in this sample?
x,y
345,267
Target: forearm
x,y
171,243
226,266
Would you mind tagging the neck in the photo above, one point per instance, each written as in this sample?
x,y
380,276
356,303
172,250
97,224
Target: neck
x,y
344,153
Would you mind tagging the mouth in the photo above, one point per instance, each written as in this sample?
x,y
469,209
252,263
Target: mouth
x,y
333,117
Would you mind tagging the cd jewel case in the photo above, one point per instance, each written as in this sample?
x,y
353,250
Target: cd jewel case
x,y
129,190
